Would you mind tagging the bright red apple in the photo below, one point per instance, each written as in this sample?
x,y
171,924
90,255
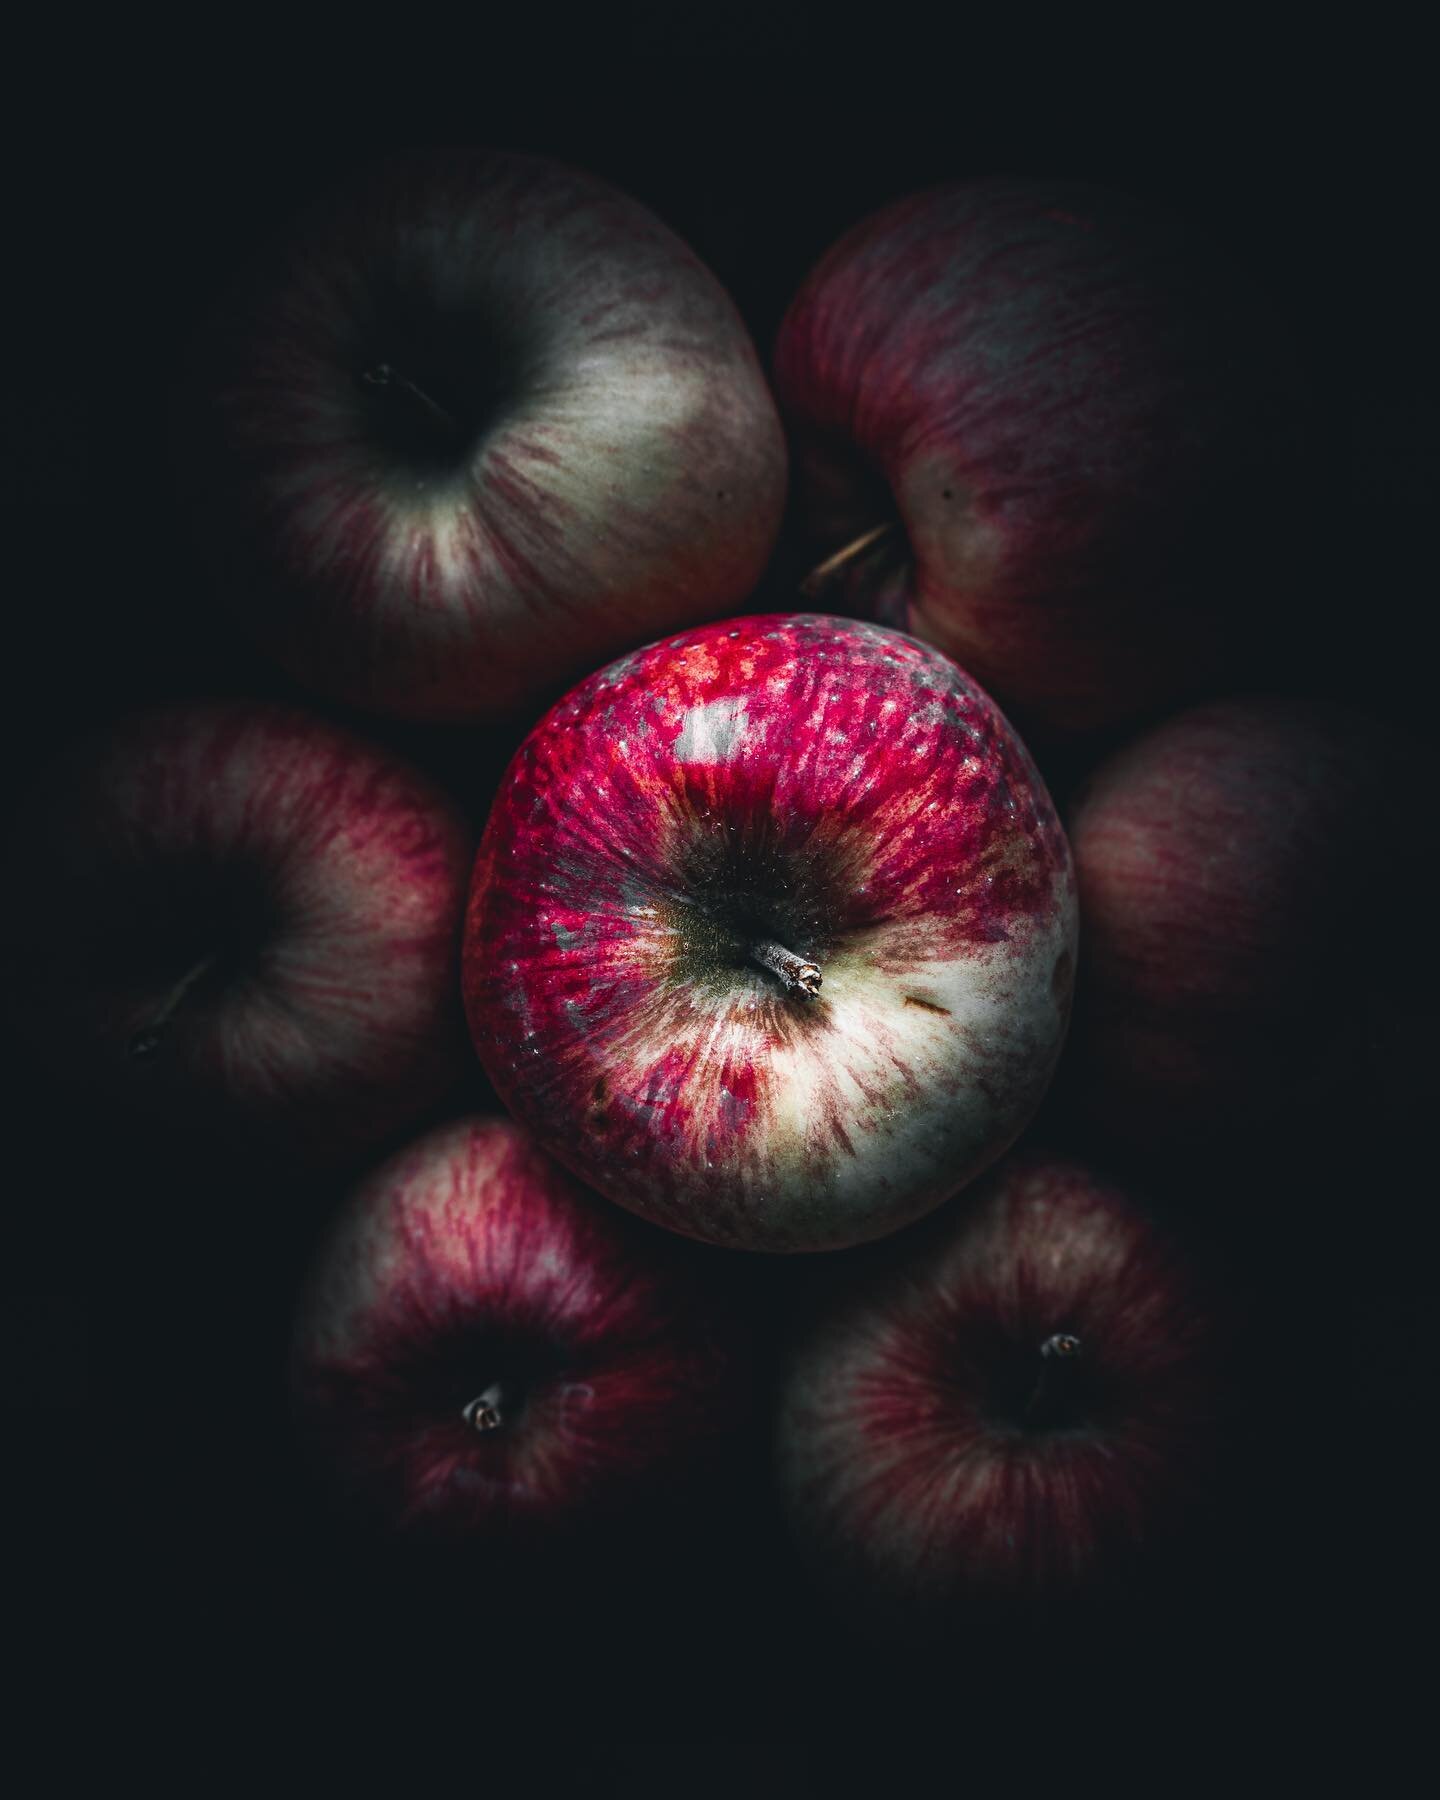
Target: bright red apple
x,y
1059,438
1235,867
474,425
237,918
487,1353
771,932
1018,1407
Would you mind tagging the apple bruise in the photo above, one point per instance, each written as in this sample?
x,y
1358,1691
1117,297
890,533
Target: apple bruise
x,y
1024,1405
485,1349
825,787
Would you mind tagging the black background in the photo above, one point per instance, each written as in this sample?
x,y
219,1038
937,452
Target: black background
x,y
150,1302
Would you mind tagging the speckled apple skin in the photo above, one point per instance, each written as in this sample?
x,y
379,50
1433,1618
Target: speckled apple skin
x,y
626,474
471,1257
1088,427
325,876
913,1491
856,786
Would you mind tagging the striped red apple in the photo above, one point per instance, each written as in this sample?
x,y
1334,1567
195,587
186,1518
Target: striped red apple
x,y
1045,427
771,932
487,1355
1021,1408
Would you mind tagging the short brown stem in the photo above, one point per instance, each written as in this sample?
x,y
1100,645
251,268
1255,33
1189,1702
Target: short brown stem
x,y
485,1413
149,1037
384,376
824,573
798,974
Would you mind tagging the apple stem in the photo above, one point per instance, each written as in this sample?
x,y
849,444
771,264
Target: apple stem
x,y
794,971
383,375
1058,1356
147,1040
484,1413
824,573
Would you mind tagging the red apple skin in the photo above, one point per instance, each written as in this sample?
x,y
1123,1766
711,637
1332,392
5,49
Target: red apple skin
x,y
471,1259
919,1493
295,891
1085,427
1225,861
620,468
828,783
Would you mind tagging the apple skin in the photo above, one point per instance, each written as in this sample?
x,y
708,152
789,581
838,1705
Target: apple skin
x,y
239,922
825,784
614,467
927,1485
1223,860
1087,429
471,1265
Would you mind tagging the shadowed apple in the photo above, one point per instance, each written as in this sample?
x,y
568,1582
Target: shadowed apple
x,y
240,921
1046,428
475,423
488,1355
1017,1410
1233,865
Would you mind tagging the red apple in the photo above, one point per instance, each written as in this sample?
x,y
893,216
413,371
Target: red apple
x,y
771,932
475,424
488,1353
236,918
1075,430
1231,863
1019,1407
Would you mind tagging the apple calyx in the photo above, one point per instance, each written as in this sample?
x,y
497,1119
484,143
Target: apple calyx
x,y
384,378
795,972
149,1038
484,1413
824,573
1054,1382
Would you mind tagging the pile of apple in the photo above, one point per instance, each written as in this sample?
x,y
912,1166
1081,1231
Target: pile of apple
x,y
770,937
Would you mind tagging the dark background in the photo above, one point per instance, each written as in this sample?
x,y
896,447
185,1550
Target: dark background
x,y
148,1303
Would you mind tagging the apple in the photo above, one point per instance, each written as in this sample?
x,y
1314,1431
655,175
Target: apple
x,y
1045,428
485,1353
235,919
1235,867
473,425
771,932
1020,1408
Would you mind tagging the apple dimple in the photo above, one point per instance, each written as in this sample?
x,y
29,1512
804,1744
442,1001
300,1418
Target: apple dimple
x,y
750,897
191,947
851,506
432,375
474,1393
